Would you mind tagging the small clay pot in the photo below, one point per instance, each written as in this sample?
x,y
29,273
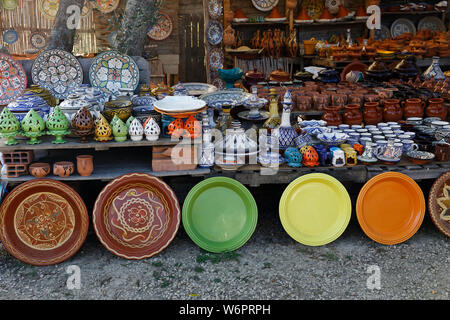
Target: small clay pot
x,y
332,116
392,111
39,169
436,108
372,113
63,168
413,108
352,114
85,165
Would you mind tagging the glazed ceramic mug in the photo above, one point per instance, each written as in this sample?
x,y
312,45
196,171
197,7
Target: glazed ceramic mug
x,y
409,145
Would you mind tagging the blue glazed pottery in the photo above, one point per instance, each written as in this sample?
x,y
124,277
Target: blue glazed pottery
x,y
293,157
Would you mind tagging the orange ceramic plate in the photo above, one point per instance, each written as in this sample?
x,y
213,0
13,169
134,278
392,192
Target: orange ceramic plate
x,y
390,208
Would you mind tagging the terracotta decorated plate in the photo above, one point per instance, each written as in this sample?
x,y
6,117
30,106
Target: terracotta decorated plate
x,y
43,222
265,5
307,218
162,29
136,216
220,214
215,8
214,32
105,6
390,208
13,79
57,71
439,203
38,40
111,71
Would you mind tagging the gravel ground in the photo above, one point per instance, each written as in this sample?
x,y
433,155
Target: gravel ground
x,y
271,266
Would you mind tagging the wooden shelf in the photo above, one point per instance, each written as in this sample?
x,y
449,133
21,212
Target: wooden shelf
x,y
411,13
306,25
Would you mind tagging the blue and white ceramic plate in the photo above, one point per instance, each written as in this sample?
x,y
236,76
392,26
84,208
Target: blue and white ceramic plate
x,y
216,99
333,138
214,32
57,71
198,88
313,123
10,36
314,131
143,101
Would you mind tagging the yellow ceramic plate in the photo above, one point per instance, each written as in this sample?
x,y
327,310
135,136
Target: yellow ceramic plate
x,y
315,209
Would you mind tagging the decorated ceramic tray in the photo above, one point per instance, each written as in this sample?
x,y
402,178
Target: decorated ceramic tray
x,y
225,96
390,208
10,4
111,71
174,104
439,203
219,214
162,29
38,40
43,222
265,5
215,8
198,88
401,26
13,79
214,32
10,36
307,218
215,59
431,23
105,6
57,71
136,216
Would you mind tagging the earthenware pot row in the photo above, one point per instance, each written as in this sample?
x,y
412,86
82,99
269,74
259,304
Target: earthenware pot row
x,y
63,169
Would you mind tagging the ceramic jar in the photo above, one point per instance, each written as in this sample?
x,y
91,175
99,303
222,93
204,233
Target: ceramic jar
x,y
63,169
304,103
332,116
436,108
85,165
136,130
229,36
413,108
392,111
320,101
39,170
339,100
352,114
371,98
356,99
372,113
152,130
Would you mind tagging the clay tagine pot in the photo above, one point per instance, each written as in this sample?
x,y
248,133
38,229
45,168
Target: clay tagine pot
x,y
280,76
39,169
85,165
253,77
63,168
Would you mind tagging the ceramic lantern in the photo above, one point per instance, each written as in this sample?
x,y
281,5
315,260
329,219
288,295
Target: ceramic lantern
x,y
9,126
193,128
103,131
83,124
120,131
129,121
152,130
136,130
33,126
57,125
293,157
310,158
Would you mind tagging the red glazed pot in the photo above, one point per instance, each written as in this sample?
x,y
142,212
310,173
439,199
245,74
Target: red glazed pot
x,y
372,113
352,114
436,108
332,116
392,110
413,108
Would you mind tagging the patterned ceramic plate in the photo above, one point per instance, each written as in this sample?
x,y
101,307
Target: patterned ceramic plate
x,y
13,79
214,32
110,71
215,59
136,216
230,96
38,40
215,8
401,26
57,71
264,5
439,203
431,23
43,222
10,4
49,8
106,6
219,83
163,29
198,89
10,36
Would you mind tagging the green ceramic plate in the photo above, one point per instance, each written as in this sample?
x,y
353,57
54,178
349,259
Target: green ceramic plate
x,y
10,4
219,214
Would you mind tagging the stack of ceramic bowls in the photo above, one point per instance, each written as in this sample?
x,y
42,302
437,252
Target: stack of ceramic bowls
x,y
44,94
143,108
26,102
94,96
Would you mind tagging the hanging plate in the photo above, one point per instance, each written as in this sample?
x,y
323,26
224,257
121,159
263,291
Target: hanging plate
x,y
162,29
198,88
38,40
57,71
401,26
431,23
315,209
214,32
215,59
49,8
390,208
264,5
105,6
219,83
219,214
10,36
136,216
10,4
215,8
43,222
439,203
111,71
13,79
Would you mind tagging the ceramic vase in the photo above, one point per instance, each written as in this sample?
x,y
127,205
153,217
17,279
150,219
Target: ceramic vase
x,y
136,130
353,115
57,125
413,108
274,117
33,126
207,156
332,116
9,126
152,130
63,169
436,108
83,124
286,134
120,131
372,113
392,111
103,130
434,71
85,165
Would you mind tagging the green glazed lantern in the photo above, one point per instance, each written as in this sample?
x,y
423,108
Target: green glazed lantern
x,y
9,126
120,130
58,125
33,126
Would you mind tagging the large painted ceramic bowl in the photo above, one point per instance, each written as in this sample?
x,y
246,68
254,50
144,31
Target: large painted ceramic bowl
x,y
26,102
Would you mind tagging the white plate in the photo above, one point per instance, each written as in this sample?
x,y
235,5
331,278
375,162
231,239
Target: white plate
x,y
179,104
265,5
